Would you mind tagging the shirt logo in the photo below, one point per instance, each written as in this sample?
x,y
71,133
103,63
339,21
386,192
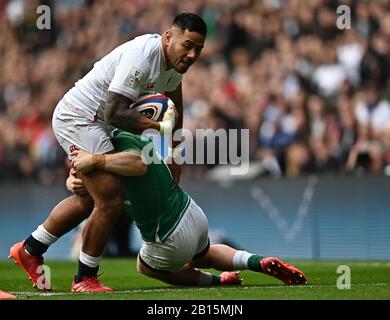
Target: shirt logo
x,y
133,78
150,86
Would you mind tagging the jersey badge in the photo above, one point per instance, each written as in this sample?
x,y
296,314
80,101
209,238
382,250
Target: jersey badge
x,y
134,77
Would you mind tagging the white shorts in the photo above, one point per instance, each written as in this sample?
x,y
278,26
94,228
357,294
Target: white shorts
x,y
189,240
75,130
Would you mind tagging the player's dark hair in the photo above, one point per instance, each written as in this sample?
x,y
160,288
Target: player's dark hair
x,y
191,22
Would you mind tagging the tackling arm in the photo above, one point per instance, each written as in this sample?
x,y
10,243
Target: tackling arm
x,y
126,163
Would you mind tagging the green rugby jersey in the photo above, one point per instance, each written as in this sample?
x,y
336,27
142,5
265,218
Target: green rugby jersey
x,y
153,200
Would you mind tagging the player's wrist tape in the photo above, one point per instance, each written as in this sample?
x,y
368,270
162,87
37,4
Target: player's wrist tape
x,y
99,161
166,127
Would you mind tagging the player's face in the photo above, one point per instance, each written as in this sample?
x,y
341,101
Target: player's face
x,y
182,48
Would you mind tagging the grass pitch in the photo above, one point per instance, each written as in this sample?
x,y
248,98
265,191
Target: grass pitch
x,y
370,280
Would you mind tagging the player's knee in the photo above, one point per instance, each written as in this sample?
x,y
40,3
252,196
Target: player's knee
x,y
142,269
204,261
112,207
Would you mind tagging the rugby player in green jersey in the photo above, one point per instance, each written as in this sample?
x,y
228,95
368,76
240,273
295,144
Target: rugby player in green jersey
x,y
173,227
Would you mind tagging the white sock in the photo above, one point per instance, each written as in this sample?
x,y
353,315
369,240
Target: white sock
x,y
240,260
205,279
42,235
90,261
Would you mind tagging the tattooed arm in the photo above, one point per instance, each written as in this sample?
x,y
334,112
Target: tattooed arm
x,y
119,115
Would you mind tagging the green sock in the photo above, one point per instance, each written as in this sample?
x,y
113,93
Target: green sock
x,y
254,263
216,280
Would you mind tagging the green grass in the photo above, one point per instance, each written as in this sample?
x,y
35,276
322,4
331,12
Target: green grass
x,y
369,280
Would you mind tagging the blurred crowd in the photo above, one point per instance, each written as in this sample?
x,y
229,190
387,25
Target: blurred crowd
x,y
314,97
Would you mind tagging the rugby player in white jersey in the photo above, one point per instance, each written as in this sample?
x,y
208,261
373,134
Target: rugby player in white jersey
x,y
83,120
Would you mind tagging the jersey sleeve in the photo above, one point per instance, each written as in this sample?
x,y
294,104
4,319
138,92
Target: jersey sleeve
x,y
174,82
130,74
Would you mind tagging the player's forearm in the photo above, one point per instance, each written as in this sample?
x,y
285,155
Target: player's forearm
x,y
118,114
121,163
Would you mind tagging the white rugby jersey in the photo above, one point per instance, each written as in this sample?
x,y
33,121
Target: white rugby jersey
x,y
135,68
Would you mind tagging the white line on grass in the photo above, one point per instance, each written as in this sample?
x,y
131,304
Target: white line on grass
x,y
50,294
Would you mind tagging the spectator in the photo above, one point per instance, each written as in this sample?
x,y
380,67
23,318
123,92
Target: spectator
x,y
268,65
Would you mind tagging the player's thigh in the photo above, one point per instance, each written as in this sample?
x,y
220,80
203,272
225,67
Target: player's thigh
x,y
185,276
103,186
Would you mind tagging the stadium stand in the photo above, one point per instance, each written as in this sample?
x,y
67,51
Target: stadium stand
x,y
315,98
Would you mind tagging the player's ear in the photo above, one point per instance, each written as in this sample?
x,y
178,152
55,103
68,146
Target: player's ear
x,y
167,36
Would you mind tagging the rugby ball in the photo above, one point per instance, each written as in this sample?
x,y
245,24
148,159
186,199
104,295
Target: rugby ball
x,y
153,106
